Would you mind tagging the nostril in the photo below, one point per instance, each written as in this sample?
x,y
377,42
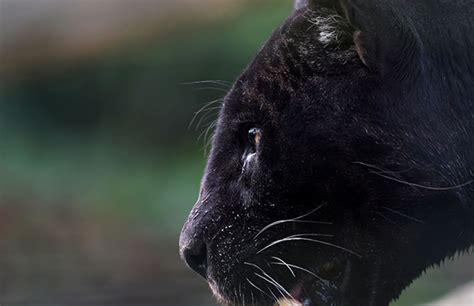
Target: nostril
x,y
195,257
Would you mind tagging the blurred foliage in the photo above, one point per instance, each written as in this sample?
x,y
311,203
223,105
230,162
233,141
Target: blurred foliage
x,y
111,133
141,89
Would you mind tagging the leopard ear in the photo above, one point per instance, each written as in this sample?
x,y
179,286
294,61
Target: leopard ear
x,y
384,35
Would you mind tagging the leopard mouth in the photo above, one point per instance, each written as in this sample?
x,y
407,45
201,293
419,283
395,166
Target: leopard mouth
x,y
297,297
302,290
342,289
308,293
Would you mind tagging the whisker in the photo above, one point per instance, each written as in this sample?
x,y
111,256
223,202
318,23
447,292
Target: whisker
x,y
285,264
207,138
266,274
413,184
212,88
386,218
381,171
279,287
294,220
206,115
310,234
403,215
202,109
302,269
258,288
275,298
204,134
216,82
242,295
309,240
234,297
373,167
395,171
424,186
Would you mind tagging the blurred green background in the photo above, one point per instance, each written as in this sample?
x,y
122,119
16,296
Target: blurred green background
x,y
99,164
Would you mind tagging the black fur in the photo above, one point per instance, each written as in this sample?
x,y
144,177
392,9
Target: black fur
x,y
375,131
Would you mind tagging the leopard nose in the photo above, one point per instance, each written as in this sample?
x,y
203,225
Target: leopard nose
x,y
195,256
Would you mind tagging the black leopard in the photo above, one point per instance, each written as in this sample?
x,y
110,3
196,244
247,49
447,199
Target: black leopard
x,y
342,164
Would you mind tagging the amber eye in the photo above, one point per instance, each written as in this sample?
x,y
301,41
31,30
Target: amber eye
x,y
254,136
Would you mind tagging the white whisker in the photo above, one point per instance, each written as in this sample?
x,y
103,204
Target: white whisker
x,y
413,184
402,214
241,295
309,240
294,220
212,88
271,292
285,264
386,218
310,234
203,109
279,287
258,288
266,274
215,82
302,269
